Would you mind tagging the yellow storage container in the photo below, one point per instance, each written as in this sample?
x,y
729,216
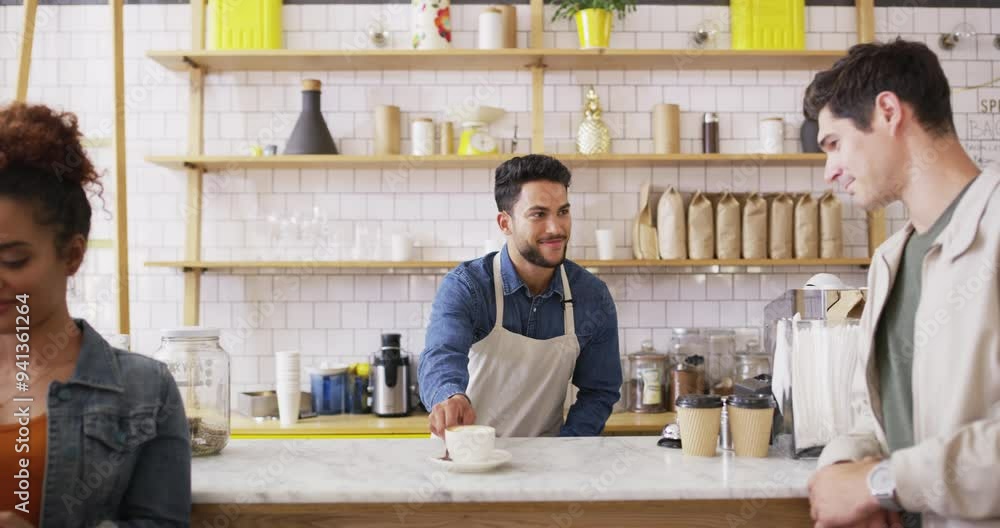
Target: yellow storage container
x,y
768,24
245,24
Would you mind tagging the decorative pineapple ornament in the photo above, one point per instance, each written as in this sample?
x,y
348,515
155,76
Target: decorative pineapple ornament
x,y
593,136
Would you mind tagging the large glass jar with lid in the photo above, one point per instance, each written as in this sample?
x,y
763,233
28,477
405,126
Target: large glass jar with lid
x,y
646,389
752,363
200,367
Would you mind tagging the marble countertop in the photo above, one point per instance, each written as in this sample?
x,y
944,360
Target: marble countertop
x,y
542,469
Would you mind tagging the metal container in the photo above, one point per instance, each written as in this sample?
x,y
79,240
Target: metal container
x,y
264,404
725,433
390,379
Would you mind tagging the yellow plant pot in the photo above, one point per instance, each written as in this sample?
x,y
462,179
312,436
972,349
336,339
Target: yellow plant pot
x,y
593,26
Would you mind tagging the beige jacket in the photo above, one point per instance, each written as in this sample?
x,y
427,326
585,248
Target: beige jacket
x,y
952,473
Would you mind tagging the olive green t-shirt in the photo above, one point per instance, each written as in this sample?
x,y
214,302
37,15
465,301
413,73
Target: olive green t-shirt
x,y
894,341
895,333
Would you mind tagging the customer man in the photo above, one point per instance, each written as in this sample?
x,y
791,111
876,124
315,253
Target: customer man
x,y
929,440
508,331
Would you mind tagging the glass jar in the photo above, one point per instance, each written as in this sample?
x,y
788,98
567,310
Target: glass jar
x,y
686,377
751,364
200,368
647,390
721,359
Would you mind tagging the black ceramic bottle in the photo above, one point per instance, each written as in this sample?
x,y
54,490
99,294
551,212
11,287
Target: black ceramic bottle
x,y
311,135
810,128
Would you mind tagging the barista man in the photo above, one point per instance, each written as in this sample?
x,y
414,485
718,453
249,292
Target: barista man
x,y
929,441
509,331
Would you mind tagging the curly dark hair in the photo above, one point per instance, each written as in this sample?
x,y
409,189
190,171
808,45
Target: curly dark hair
x,y
42,162
908,69
515,172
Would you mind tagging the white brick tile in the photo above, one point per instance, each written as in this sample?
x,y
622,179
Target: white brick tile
x,y
821,19
846,19
394,288
354,315
300,315
381,316
720,287
706,314
680,314
622,99
368,288
628,314
732,313
652,314
693,287
326,315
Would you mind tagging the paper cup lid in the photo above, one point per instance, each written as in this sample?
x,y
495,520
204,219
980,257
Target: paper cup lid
x,y
699,401
750,401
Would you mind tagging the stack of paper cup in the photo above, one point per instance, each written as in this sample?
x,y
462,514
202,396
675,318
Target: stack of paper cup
x,y
605,244
699,417
287,372
750,420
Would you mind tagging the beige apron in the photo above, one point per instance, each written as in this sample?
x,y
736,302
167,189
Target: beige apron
x,y
518,384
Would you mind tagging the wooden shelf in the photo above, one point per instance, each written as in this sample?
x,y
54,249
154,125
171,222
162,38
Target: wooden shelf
x,y
222,163
503,59
316,60
387,265
688,59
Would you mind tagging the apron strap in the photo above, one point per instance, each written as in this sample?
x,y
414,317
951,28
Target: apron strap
x,y
498,290
569,323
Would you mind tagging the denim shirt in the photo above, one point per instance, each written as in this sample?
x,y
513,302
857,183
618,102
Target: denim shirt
x,y
118,443
464,312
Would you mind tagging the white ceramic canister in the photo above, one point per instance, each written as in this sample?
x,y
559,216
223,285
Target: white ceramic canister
x,y
772,135
431,24
422,137
491,29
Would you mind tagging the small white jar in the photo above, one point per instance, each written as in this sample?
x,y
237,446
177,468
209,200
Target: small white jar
x,y
422,137
772,135
491,29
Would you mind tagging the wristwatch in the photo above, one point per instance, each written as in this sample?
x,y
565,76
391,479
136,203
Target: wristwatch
x,y
882,486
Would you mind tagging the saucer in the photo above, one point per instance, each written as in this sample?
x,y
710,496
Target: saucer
x,y
498,458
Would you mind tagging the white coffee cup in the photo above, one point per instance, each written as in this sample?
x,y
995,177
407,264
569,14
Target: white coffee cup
x,y
605,244
470,443
402,247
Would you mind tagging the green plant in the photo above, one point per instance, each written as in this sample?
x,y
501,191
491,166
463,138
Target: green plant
x,y
566,9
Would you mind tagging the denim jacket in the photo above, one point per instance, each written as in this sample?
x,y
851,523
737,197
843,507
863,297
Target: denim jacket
x,y
118,443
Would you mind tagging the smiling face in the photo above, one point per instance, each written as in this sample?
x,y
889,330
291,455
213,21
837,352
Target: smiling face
x,y
868,165
30,265
539,225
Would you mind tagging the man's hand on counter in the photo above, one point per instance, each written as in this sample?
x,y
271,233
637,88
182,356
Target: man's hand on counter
x,y
456,410
839,496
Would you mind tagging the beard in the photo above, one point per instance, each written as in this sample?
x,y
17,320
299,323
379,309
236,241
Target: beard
x,y
532,254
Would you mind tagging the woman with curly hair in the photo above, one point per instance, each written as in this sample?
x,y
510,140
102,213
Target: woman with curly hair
x,y
88,432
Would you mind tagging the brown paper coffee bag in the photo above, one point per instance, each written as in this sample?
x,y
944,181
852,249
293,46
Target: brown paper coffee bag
x,y
755,227
671,226
701,228
806,227
831,226
728,227
782,232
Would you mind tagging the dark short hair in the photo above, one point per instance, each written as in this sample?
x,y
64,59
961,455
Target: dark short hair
x,y
512,174
908,69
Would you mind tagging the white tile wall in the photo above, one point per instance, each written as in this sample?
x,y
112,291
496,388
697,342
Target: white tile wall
x,y
338,315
